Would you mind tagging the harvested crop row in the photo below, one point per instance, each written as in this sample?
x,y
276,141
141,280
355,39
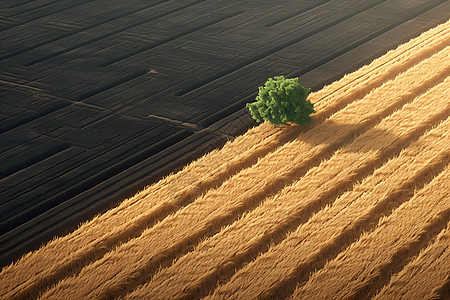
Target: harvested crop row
x,y
171,237
217,257
340,170
367,264
426,275
66,255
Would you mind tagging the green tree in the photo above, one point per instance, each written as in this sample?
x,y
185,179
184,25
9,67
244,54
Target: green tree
x,y
282,100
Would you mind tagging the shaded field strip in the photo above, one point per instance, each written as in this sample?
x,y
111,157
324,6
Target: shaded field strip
x,y
167,40
37,17
107,20
427,274
20,3
34,8
217,259
204,217
210,119
113,84
296,13
366,39
84,184
243,152
111,33
395,241
269,52
52,167
387,66
53,150
52,108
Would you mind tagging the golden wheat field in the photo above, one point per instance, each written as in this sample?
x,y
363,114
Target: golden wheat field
x,y
355,205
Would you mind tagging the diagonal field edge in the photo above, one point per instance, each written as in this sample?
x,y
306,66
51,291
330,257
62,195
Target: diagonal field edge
x,y
437,117
210,280
207,120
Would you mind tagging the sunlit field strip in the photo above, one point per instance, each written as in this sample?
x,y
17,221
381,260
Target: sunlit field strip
x,y
270,269
367,264
330,229
243,191
65,256
426,276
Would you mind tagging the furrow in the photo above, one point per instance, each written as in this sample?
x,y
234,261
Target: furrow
x,y
33,8
279,47
67,255
425,276
108,34
366,265
171,237
172,38
320,187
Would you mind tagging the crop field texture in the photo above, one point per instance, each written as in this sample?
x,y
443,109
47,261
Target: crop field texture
x,y
355,205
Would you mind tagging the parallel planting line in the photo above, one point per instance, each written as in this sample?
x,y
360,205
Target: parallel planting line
x,y
198,272
172,38
279,47
367,264
426,275
33,8
296,13
48,41
321,62
67,255
110,33
319,187
19,4
387,66
132,263
50,12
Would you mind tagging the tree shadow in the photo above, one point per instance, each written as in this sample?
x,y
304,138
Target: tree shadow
x,y
353,137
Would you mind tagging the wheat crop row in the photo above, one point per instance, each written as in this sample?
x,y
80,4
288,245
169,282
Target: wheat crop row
x,y
364,266
427,275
